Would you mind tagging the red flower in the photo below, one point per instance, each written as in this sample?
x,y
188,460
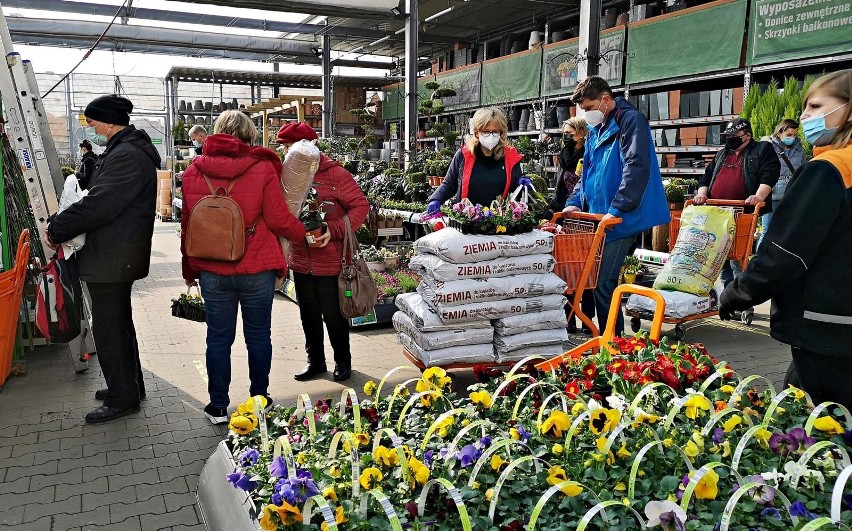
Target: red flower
x,y
616,367
572,389
590,371
438,225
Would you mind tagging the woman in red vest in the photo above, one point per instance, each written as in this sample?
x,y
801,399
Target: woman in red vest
x,y
485,168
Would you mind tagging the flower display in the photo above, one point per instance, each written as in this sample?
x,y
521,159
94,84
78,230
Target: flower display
x,y
641,430
502,216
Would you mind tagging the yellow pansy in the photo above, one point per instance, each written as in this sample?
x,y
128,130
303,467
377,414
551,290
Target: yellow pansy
x,y
242,423
668,443
698,439
727,389
556,424
828,425
334,471
604,420
370,477
623,452
498,462
620,487
465,422
443,428
370,388
500,229
578,408
645,418
600,442
558,449
424,386
301,458
419,471
267,523
691,450
694,404
400,390
763,435
726,448
386,456
329,493
476,485
489,494
708,486
515,434
556,475
732,423
339,518
481,398
437,377
798,394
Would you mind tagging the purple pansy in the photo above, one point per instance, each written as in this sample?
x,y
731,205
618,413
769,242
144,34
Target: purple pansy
x,y
468,455
525,435
783,444
484,442
241,481
249,457
718,436
771,512
427,458
798,509
278,467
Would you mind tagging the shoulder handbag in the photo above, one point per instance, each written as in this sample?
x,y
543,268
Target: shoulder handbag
x,y
356,289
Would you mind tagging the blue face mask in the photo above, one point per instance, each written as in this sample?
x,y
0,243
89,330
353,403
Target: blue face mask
x,y
815,130
788,140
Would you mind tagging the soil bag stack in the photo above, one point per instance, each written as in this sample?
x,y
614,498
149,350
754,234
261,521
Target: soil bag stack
x,y
504,283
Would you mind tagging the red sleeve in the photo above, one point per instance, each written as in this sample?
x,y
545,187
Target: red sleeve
x,y
186,208
353,202
275,212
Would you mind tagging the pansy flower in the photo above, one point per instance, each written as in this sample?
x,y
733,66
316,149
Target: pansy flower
x,y
604,420
556,424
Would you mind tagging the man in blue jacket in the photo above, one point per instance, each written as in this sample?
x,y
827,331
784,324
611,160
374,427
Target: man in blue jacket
x,y
621,178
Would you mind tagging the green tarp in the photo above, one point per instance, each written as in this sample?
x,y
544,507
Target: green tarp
x,y
782,30
694,41
516,77
467,82
393,106
559,75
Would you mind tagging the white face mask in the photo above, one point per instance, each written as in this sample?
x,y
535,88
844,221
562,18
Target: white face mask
x,y
489,140
595,118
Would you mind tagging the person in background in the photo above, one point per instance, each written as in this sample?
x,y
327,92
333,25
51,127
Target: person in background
x,y
315,269
87,165
117,217
485,167
743,170
198,134
621,179
791,155
803,265
249,283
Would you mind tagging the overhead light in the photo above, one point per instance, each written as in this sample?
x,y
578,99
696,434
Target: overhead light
x,y
438,14
356,50
400,30
383,39
396,12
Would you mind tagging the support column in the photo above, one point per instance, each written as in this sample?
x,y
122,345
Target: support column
x,y
590,38
327,102
412,27
72,121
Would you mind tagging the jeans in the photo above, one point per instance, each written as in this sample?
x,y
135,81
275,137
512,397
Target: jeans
x,y
318,302
115,337
730,271
222,295
765,219
612,259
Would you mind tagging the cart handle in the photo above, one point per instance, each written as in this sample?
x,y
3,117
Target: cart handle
x,y
588,216
728,202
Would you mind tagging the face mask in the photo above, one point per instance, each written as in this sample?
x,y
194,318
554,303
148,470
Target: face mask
x,y
489,141
568,142
196,143
95,138
788,140
815,131
734,142
596,117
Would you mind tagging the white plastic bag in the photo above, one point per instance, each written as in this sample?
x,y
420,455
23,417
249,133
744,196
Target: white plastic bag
x,y
447,356
297,175
518,324
678,304
71,193
457,248
467,313
467,291
441,339
434,267
425,318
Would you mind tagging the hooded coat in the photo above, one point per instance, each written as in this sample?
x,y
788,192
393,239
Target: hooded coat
x,y
117,215
257,191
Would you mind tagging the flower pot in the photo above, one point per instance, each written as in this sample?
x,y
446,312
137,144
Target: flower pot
x,y
535,120
436,180
397,223
629,278
312,235
524,120
381,224
375,266
392,262
675,207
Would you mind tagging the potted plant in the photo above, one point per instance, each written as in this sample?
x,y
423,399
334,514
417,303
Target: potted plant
x,y
381,222
313,216
631,269
675,197
390,258
373,258
398,220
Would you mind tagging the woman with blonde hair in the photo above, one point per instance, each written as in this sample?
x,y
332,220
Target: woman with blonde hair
x,y
251,174
803,265
485,168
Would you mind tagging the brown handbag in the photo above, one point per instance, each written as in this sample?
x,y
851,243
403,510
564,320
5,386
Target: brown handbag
x,y
356,289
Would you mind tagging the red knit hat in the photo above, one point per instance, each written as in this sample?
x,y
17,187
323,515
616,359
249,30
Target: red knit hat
x,y
295,131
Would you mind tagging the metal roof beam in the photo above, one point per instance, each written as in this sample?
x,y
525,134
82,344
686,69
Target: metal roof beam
x,y
328,8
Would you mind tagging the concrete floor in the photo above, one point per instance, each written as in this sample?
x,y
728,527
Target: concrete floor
x,y
140,472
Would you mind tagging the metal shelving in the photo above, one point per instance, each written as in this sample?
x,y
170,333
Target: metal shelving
x,y
688,149
683,171
701,120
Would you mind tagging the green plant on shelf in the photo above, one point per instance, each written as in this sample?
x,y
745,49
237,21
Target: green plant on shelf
x,y
674,194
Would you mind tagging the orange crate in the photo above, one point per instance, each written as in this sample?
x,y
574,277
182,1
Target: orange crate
x,y
11,291
571,251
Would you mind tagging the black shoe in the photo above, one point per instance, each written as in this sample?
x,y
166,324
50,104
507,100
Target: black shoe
x,y
342,373
310,371
106,414
101,394
216,415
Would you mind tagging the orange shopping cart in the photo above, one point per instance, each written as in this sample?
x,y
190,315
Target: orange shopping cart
x,y
11,292
741,251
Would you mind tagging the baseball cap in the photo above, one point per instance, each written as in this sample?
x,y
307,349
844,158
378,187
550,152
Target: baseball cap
x,y
736,125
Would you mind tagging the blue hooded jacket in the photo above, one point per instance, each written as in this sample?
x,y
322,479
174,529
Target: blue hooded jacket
x,y
621,175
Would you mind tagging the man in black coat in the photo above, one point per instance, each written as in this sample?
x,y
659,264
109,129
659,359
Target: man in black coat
x,y
87,165
117,217
743,170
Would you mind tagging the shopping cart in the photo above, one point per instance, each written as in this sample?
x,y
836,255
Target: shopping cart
x,y
741,251
577,250
11,292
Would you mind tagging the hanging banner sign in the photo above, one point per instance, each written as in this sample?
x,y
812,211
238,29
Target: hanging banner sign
x,y
783,30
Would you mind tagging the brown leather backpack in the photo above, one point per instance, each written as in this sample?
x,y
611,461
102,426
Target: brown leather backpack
x,y
216,229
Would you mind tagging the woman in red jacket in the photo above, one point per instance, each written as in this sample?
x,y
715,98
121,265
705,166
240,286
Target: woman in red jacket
x,y
230,159
315,270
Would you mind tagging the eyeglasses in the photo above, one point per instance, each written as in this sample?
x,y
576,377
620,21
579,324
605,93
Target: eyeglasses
x,y
489,133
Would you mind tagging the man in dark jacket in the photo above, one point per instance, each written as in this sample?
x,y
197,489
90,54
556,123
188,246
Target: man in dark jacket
x,y
743,170
87,165
117,217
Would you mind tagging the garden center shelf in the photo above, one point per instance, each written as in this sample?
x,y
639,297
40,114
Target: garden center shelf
x,y
688,149
683,171
692,121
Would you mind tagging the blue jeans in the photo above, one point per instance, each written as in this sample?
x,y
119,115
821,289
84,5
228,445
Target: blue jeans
x,y
614,253
222,295
765,219
730,271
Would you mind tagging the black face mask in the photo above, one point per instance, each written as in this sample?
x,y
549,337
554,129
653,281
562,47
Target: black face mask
x,y
568,143
734,142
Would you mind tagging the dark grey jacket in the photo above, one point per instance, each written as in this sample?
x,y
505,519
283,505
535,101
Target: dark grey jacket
x,y
87,169
117,215
761,166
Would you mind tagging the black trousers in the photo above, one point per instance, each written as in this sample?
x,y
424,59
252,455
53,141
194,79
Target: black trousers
x,y
318,302
824,377
115,336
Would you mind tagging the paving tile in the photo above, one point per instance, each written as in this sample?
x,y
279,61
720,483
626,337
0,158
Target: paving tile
x,y
177,501
132,523
97,487
81,462
184,515
117,456
98,517
166,488
13,516
93,472
94,500
117,482
23,449
141,465
117,445
44,495
122,511
44,523
148,440
27,469
70,477
34,511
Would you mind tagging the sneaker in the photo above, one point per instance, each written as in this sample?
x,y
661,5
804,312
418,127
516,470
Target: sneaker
x,y
216,415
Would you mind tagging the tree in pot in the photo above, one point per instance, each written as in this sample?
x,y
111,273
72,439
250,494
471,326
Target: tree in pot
x,y
313,216
675,196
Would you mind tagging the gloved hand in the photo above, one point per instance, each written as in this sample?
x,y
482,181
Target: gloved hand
x,y
434,207
725,313
524,181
